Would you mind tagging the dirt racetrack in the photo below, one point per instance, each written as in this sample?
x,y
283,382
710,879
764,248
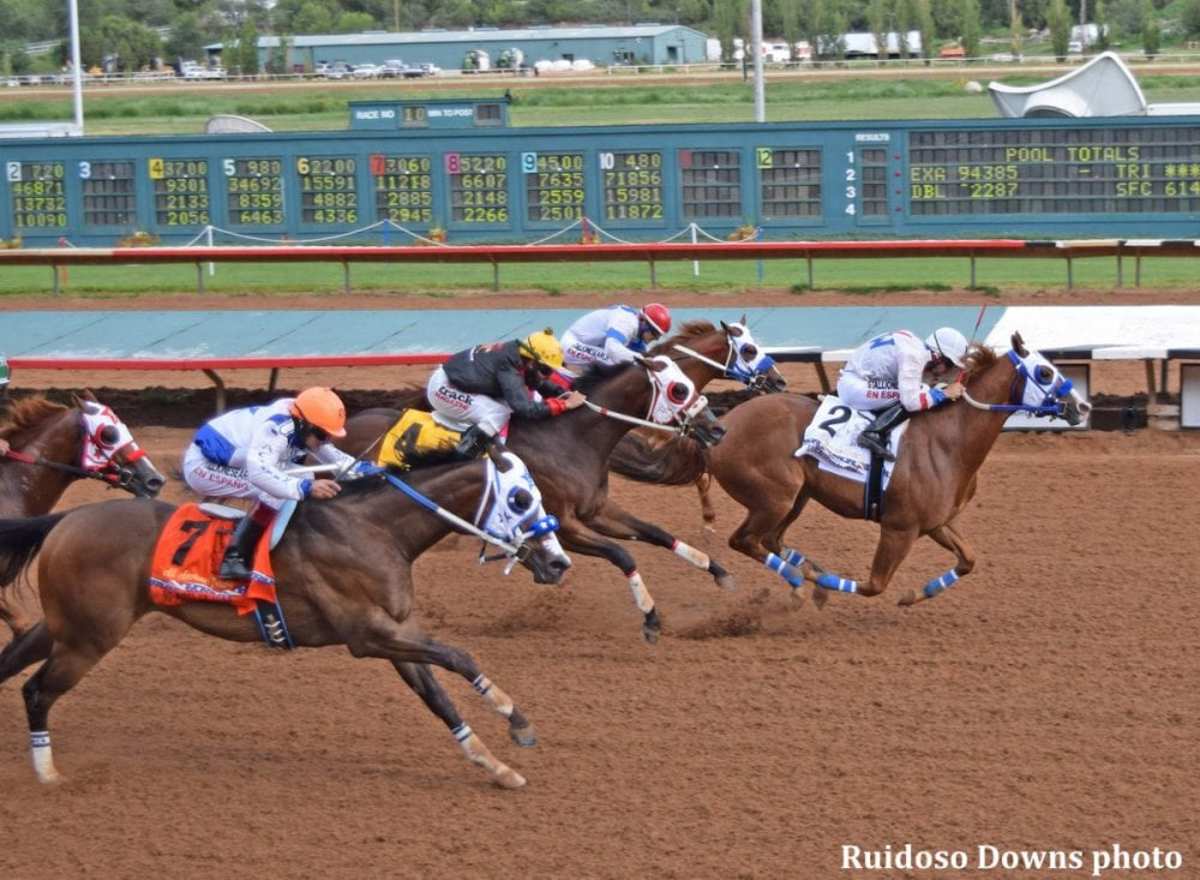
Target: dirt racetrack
x,y
1047,702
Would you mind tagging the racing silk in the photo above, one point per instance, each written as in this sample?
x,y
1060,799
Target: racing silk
x,y
496,370
262,440
614,330
897,361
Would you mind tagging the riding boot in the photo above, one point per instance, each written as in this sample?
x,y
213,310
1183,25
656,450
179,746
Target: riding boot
x,y
474,443
235,565
875,436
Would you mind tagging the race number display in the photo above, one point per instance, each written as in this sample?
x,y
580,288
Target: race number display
x,y
633,185
790,182
328,190
478,188
180,191
254,191
38,194
873,165
109,193
1147,170
554,187
403,188
712,183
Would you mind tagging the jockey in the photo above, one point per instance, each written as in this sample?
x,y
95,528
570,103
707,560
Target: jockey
x,y
483,386
887,374
242,453
614,335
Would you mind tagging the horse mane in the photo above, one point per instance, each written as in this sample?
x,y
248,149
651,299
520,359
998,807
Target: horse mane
x,y
689,331
978,359
597,373
28,413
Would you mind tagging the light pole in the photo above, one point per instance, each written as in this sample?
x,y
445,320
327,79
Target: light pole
x,y
77,86
760,97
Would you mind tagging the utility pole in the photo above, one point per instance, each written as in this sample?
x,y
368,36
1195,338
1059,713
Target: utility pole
x,y
77,78
396,14
760,97
1083,28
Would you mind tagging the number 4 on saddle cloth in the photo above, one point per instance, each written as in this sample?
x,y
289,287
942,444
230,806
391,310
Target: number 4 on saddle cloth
x,y
186,560
831,439
416,439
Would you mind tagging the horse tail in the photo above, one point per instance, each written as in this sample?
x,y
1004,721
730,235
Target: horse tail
x,y
677,462
20,540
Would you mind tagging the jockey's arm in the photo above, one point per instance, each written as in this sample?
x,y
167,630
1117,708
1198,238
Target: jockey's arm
x,y
517,398
327,453
915,395
268,450
622,327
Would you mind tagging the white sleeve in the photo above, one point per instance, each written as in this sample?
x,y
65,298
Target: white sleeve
x,y
327,453
268,449
622,328
914,393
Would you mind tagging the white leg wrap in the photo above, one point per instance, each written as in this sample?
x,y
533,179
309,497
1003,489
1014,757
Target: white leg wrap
x,y
641,596
43,757
691,554
496,698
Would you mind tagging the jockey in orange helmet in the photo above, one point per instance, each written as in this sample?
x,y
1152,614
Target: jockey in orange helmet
x,y
243,453
614,335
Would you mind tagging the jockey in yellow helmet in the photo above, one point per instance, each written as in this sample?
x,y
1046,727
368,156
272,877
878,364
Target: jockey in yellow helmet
x,y
477,390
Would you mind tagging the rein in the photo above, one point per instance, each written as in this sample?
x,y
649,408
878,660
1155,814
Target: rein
x,y
1043,409
83,473
633,420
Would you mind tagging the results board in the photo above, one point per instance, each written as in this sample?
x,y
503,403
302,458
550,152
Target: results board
x,y
1124,177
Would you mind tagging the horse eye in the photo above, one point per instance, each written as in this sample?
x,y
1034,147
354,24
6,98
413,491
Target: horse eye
x,y
109,435
520,501
1044,375
749,352
677,392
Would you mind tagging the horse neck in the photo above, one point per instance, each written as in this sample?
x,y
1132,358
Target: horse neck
x,y
628,393
980,428
29,490
714,346
456,489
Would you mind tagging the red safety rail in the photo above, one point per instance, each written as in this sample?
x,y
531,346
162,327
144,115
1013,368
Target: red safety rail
x,y
226,363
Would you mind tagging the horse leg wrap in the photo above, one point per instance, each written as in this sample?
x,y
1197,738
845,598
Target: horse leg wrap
x,y
782,568
641,596
43,757
938,584
833,582
794,558
691,554
495,697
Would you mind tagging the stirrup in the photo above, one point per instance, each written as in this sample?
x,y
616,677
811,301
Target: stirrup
x,y
234,568
876,444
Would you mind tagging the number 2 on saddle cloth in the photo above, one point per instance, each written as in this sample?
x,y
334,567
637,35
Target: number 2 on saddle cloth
x,y
188,555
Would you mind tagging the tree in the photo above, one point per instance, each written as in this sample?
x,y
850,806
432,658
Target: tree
x,y
725,25
1151,32
134,44
454,14
830,26
947,16
314,17
1190,18
877,22
187,38
1059,20
247,51
971,31
356,22
926,27
791,27
1015,26
277,59
1103,42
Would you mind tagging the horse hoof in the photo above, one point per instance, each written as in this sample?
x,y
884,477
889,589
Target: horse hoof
x,y
908,600
651,634
796,594
506,777
726,582
819,597
525,736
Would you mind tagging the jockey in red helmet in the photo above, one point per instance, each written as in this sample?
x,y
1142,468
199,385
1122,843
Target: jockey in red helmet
x,y
614,335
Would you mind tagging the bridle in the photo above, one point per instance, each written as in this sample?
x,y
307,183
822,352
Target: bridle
x,y
684,417
731,369
1052,405
107,470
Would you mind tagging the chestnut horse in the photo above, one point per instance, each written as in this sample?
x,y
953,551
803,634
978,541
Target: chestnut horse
x,y
52,447
933,479
568,455
344,570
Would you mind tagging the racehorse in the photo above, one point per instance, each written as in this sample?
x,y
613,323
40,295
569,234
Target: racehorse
x,y
568,455
344,572
53,446
933,479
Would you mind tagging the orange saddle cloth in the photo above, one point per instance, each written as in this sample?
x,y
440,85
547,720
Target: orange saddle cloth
x,y
188,555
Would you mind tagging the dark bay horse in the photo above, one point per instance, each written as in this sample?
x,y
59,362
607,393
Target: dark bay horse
x,y
344,572
933,479
568,457
52,447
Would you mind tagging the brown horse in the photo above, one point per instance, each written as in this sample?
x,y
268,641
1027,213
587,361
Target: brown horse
x,y
933,479
568,455
52,447
344,570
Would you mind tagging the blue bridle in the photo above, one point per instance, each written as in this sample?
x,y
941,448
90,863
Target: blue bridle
x,y
1053,398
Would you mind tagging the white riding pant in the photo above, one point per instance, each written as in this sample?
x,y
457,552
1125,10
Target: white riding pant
x,y
209,479
456,409
869,394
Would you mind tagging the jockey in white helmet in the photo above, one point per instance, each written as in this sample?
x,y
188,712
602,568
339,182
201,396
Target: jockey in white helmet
x,y
614,335
887,374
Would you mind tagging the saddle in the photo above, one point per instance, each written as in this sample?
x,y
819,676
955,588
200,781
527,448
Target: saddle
x,y
188,555
417,440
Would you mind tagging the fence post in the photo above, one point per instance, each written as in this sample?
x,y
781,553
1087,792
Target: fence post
x,y
1070,274
1137,271
212,267
1120,269
810,272
973,284
695,263
495,274
346,276
54,270
199,278
653,274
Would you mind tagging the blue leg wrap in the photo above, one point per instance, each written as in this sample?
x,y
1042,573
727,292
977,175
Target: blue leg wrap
x,y
780,567
833,582
938,584
793,558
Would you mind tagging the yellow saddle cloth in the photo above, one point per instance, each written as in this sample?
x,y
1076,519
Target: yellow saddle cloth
x,y
416,439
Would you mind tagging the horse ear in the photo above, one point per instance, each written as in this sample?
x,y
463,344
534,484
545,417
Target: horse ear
x,y
654,365
725,327
497,456
1018,345
743,320
88,395
76,401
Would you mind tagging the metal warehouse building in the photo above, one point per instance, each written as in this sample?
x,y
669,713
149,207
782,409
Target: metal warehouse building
x,y
602,45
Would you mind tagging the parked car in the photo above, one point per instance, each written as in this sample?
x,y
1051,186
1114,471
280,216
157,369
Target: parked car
x,y
430,69
393,68
338,70
1075,47
366,71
